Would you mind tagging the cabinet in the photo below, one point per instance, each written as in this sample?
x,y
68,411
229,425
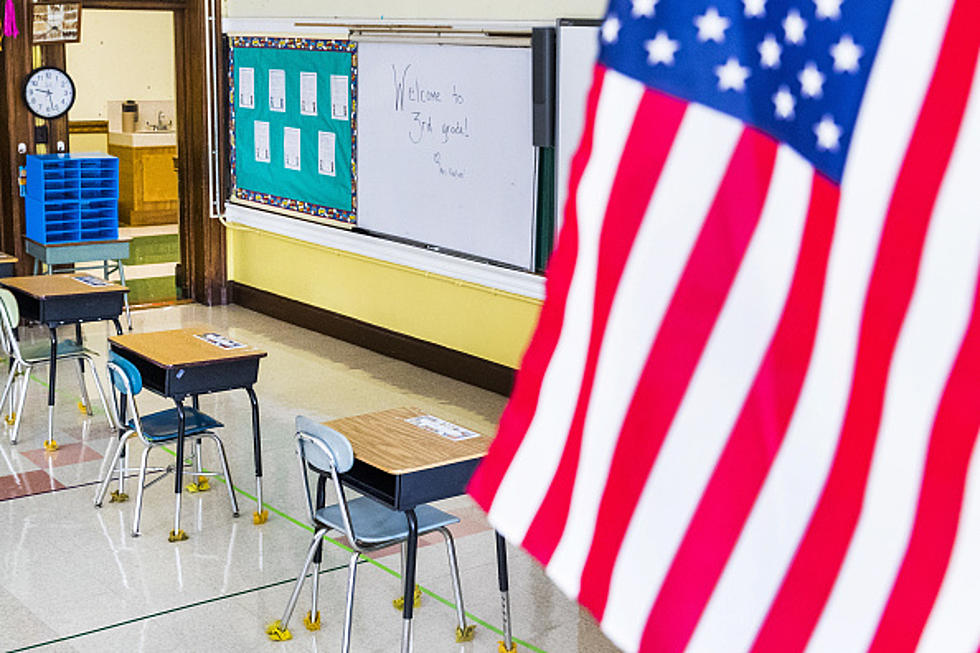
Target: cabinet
x,y
72,197
147,183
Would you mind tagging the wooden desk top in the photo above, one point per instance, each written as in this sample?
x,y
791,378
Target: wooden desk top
x,y
386,441
7,258
180,347
43,286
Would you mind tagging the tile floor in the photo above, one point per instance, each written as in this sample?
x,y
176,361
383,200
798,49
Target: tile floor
x,y
73,579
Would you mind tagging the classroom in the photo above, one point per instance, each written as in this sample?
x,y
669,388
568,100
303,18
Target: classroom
x,y
307,276
569,325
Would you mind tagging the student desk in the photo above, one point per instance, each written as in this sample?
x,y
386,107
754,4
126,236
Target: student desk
x,y
110,252
7,265
403,466
178,364
63,299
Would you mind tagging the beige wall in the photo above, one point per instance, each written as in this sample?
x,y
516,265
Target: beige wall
x,y
123,55
431,9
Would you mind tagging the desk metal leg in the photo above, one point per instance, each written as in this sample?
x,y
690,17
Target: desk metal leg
x,y
502,580
261,515
122,282
86,405
411,548
50,444
177,534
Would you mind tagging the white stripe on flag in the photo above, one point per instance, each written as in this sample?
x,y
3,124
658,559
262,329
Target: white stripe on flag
x,y
694,168
953,626
713,401
529,475
926,349
755,570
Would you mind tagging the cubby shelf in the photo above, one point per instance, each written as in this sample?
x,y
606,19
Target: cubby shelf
x,y
72,197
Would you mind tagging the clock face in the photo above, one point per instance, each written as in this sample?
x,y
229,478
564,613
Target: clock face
x,y
49,92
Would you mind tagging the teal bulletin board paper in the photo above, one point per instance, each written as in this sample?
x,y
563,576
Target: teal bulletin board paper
x,y
272,183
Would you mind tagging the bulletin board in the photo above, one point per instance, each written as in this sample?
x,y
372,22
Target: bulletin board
x,y
293,121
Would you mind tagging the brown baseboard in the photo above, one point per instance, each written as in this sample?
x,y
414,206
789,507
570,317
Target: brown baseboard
x,y
448,362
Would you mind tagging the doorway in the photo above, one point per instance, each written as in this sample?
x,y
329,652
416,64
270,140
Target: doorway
x,y
124,68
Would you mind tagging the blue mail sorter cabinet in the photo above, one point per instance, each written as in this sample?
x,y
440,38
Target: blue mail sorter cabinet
x,y
72,197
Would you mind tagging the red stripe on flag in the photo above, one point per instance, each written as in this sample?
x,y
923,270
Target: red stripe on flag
x,y
742,468
952,440
807,584
655,126
520,410
693,310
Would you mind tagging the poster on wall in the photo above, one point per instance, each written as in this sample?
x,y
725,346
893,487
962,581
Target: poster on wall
x,y
294,125
59,22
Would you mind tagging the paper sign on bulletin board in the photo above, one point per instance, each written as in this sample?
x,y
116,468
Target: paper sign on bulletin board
x,y
293,125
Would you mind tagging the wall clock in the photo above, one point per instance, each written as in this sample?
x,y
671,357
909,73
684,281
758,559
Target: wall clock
x,y
49,92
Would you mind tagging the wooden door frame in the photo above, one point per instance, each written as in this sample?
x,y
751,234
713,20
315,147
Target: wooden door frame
x,y
202,238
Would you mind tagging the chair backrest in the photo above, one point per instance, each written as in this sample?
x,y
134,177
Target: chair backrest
x,y
124,375
329,452
10,317
339,446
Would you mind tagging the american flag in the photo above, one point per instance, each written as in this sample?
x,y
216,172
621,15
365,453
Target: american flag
x,y
748,416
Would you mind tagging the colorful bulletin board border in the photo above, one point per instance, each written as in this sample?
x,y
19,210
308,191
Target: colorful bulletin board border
x,y
299,199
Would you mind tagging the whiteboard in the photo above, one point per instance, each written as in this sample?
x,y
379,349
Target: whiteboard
x,y
444,153
577,49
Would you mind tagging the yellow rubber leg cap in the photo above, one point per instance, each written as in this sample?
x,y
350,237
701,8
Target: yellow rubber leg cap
x,y
10,419
465,634
118,497
277,633
312,624
179,536
202,485
82,407
399,603
260,517
50,445
502,648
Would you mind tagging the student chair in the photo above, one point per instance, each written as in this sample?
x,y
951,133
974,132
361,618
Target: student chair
x,y
154,430
25,358
367,524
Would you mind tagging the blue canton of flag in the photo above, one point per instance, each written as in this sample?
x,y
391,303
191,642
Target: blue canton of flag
x,y
795,69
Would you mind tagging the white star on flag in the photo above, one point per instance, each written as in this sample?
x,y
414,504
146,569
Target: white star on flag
x,y
811,81
769,52
795,26
828,134
644,8
755,8
828,8
732,75
661,49
785,103
610,29
711,26
846,54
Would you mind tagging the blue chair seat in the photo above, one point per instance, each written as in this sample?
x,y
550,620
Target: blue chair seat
x,y
162,425
40,352
374,523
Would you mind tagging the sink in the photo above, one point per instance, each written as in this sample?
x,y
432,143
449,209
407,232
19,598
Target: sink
x,y
143,138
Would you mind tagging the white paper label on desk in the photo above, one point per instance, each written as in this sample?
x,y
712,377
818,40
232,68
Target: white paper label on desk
x,y
338,97
219,340
307,94
327,142
261,129
290,148
246,88
277,90
441,427
89,280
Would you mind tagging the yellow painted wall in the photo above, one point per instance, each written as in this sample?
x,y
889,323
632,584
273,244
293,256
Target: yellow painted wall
x,y
481,321
88,142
